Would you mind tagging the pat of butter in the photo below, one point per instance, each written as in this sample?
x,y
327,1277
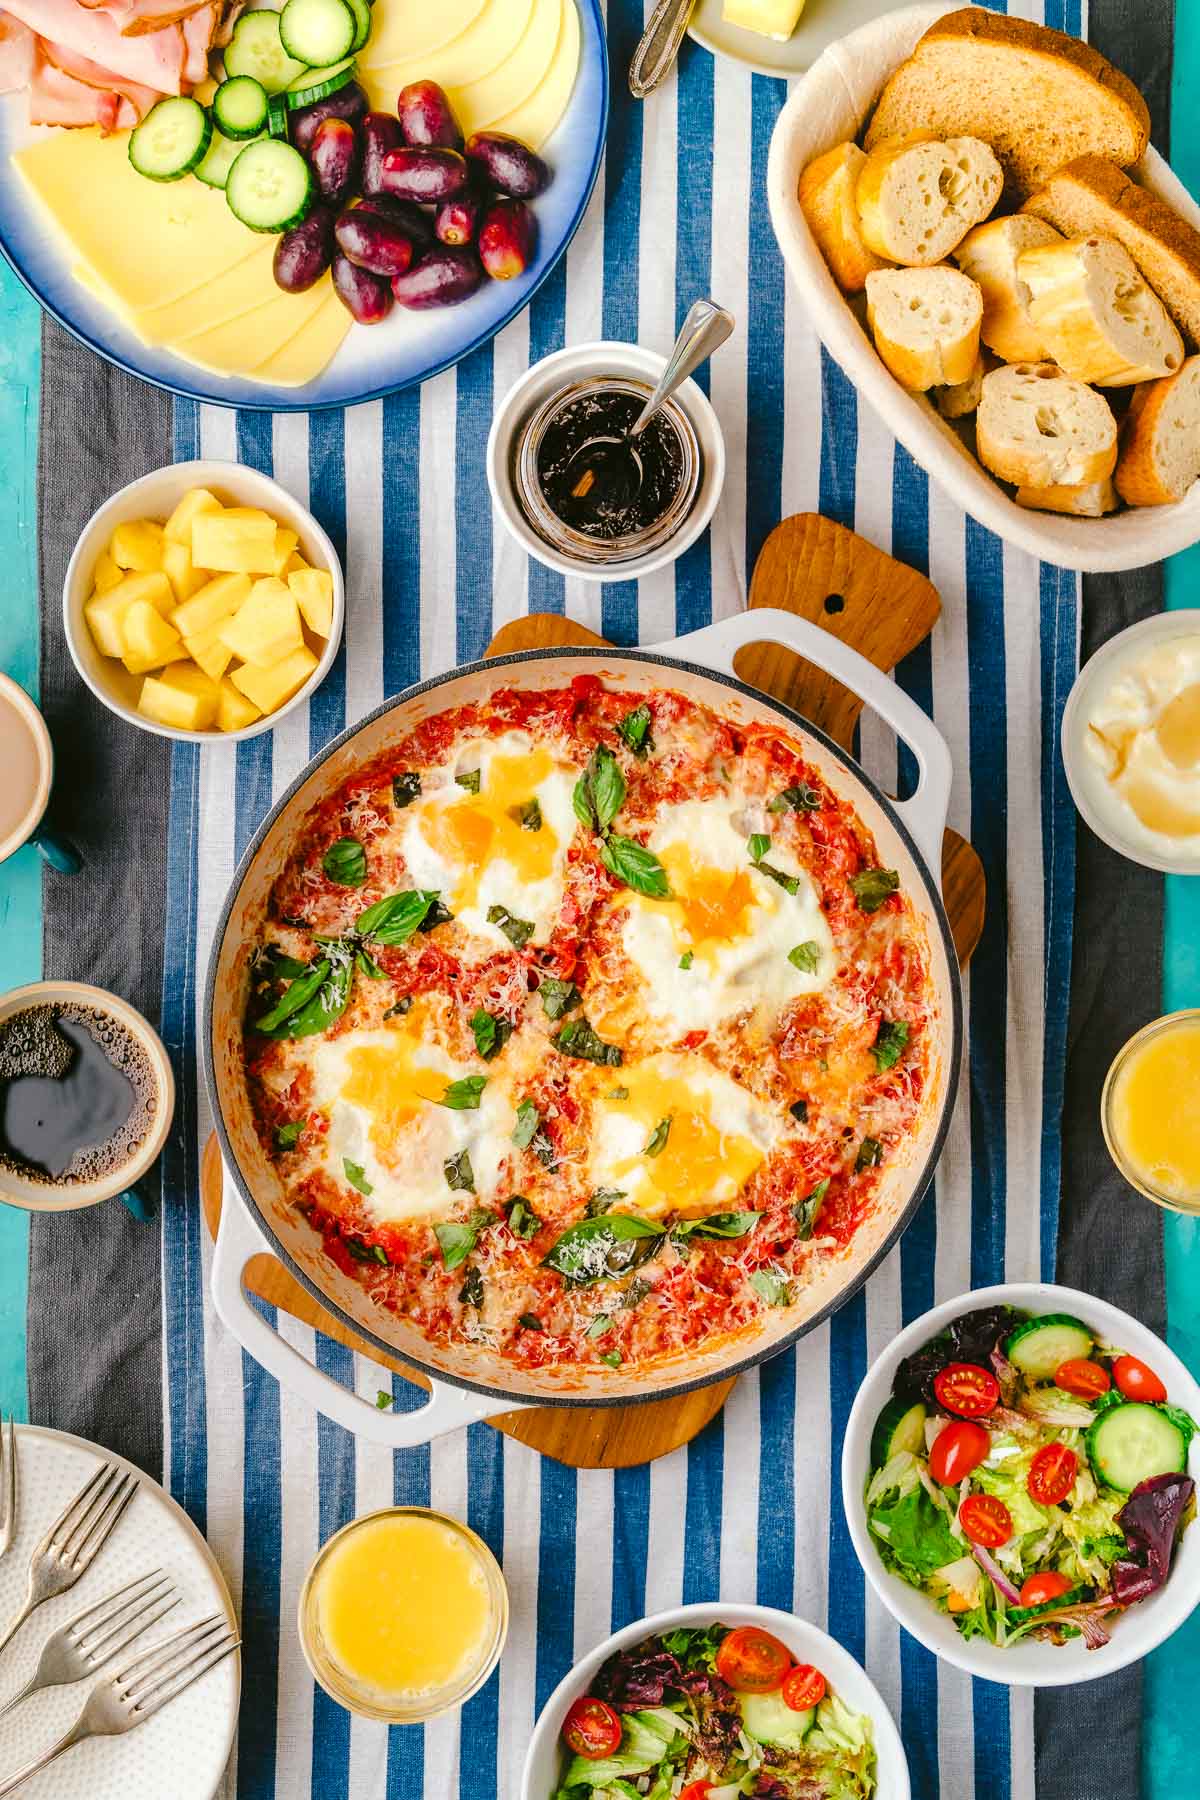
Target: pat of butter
x,y
770,18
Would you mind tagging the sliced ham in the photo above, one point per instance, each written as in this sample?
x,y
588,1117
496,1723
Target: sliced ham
x,y
198,33
59,99
155,60
17,54
139,99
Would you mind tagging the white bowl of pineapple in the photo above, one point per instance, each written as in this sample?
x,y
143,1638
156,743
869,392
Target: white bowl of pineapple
x,y
203,602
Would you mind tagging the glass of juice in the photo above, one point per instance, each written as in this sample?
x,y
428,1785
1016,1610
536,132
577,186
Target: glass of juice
x,y
1150,1111
403,1615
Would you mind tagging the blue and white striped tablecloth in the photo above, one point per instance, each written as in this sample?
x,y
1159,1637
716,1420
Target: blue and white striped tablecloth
x,y
750,1509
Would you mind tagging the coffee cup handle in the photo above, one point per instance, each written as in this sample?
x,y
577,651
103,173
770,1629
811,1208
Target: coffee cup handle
x,y
137,1203
59,852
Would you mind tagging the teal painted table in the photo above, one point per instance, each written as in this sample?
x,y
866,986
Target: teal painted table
x,y
1172,1762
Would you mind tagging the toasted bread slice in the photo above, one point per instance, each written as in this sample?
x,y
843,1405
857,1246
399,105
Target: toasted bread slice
x,y
925,323
989,256
1160,440
1037,96
918,197
1091,194
1100,321
1037,427
827,200
1091,501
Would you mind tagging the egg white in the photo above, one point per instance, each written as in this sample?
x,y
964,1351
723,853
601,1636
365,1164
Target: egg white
x,y
1125,755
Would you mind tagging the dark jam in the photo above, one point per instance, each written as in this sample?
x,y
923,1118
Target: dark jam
x,y
598,483
76,1094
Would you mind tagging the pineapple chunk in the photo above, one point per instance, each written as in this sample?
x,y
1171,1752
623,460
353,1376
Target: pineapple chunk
x,y
234,711
182,696
266,628
285,544
295,565
137,544
105,612
227,541
149,641
269,688
206,648
178,528
216,601
185,578
107,574
313,589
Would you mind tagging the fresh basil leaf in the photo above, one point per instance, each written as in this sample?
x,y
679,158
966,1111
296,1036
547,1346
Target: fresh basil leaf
x,y
460,1176
757,846
607,785
464,1095
366,965
806,957
395,918
558,997
799,1111
381,1255
716,1225
634,1292
316,1000
576,1038
687,959
383,1399
491,1033
789,883
457,1242
531,1322
356,1176
273,964
345,863
438,914
805,1211
471,1291
358,1250
401,1007
603,1249
544,1150
581,800
288,1136
890,1040
297,994
636,866
528,814
523,1222
611,1357
517,931
406,788
528,1120
599,1325
469,779
602,1200
870,1155
775,1290
873,886
657,1141
800,798
634,728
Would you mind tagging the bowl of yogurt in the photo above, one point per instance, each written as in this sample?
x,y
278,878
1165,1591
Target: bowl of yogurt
x,y
1131,742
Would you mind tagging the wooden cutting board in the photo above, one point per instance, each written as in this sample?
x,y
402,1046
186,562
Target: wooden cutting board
x,y
827,574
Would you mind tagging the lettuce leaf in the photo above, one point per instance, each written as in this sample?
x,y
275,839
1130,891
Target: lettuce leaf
x,y
916,1535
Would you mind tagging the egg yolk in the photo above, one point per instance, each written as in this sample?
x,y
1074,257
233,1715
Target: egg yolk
x,y
708,906
698,1161
391,1086
469,832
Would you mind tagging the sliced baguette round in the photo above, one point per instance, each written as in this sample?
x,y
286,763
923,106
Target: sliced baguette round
x,y
1099,320
1037,427
827,200
925,323
918,197
1037,96
1091,194
961,400
1160,441
1091,501
989,256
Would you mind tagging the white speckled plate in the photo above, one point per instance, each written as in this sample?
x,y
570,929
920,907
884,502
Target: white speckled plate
x,y
182,1751
821,23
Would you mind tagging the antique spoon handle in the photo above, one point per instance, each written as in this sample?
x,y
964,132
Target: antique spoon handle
x,y
654,56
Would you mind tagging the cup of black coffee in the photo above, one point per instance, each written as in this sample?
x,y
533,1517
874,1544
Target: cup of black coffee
x,y
86,1098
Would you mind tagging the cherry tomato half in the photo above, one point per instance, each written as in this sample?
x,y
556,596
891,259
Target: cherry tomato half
x,y
957,1449
985,1520
966,1389
1138,1382
591,1728
1040,1588
1052,1474
696,1790
803,1687
1079,1376
752,1659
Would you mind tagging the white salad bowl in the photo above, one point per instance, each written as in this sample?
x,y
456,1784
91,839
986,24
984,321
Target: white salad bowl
x,y
155,496
1028,1663
827,106
847,1679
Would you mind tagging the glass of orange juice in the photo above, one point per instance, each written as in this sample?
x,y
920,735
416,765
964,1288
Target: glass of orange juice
x,y
1150,1111
403,1615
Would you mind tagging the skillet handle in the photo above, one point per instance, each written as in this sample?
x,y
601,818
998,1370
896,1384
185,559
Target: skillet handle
x,y
925,813
448,1408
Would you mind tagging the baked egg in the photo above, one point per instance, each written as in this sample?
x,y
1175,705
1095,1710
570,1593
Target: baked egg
x,y
1143,737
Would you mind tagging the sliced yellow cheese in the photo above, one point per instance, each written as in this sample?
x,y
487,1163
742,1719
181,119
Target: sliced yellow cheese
x,y
504,89
314,346
537,118
486,45
232,294
409,30
240,346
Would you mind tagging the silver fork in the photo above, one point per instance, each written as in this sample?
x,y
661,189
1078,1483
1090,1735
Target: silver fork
x,y
135,1693
93,1637
72,1542
8,1485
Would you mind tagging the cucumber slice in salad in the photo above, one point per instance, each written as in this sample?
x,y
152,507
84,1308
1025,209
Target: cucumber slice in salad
x,y
220,157
1130,1443
171,140
900,1426
770,1720
318,31
269,186
318,84
239,107
256,49
1040,1347
1020,1615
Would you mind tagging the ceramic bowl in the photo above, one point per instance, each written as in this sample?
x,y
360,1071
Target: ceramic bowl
x,y
1028,1663
543,1762
544,379
23,830
154,496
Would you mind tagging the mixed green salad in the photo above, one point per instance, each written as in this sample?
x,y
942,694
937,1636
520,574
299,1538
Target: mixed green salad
x,y
1029,1479
714,1714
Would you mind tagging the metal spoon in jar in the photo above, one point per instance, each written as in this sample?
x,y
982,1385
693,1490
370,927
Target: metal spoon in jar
x,y
612,465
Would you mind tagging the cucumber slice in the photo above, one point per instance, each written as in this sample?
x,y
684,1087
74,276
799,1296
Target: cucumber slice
x,y
277,116
769,1720
900,1426
239,107
362,23
221,155
318,84
317,31
171,140
1130,1443
269,186
256,49
1020,1615
1040,1347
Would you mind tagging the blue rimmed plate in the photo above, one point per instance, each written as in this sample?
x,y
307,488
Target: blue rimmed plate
x,y
405,349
